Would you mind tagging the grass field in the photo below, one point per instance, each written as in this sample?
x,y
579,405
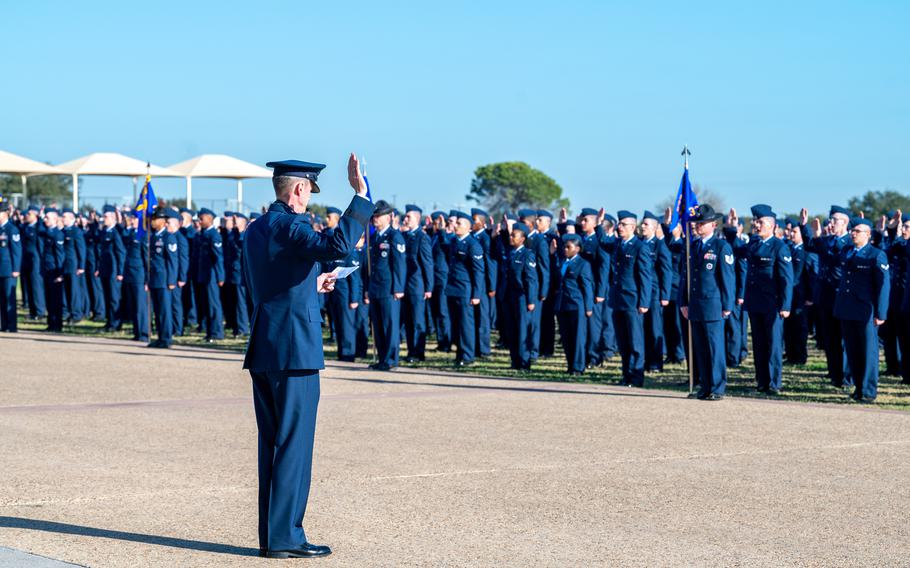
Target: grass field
x,y
805,383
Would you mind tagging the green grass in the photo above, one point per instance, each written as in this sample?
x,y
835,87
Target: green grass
x,y
806,383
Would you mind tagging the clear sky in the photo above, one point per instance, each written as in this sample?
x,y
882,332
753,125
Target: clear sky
x,y
790,103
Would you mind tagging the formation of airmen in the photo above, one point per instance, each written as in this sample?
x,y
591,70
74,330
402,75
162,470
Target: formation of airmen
x,y
604,286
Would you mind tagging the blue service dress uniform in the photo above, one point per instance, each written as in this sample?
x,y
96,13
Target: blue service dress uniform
x,y
769,291
209,274
862,297
521,289
388,268
736,328
712,294
899,304
540,246
574,300
630,289
189,291
796,327
673,322
183,267
348,291
32,281
547,312
599,260
483,312
439,244
661,287
891,331
163,261
73,273
134,300
10,263
111,257
92,280
228,291
283,257
418,280
362,317
52,260
465,281
829,248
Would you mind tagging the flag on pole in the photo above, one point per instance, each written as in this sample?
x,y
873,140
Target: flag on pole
x,y
686,202
146,205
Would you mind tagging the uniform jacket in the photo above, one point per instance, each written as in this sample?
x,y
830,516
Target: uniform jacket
x,y
828,249
466,268
163,259
599,260
134,266
769,280
803,277
349,290
183,256
439,243
10,250
522,285
388,264
662,261
209,256
865,285
540,246
713,280
576,286
419,256
632,274
73,249
282,256
190,234
111,253
52,255
232,256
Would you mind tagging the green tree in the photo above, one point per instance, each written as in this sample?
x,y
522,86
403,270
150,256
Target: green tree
x,y
874,204
41,189
508,186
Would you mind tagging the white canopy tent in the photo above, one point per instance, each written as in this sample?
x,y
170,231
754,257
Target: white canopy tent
x,y
13,164
218,166
109,164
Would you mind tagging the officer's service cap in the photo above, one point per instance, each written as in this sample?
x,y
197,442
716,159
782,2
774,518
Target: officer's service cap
x,y
108,209
297,168
585,211
521,227
187,210
857,221
838,209
475,211
332,211
648,215
461,215
571,238
623,214
762,210
437,214
206,211
50,210
411,207
255,215
525,213
382,208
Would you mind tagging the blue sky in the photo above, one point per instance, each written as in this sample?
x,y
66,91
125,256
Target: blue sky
x,y
788,103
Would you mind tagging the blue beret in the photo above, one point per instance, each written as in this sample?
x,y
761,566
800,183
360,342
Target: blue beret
x,y
297,168
762,210
206,211
436,214
521,227
544,213
51,210
610,218
588,211
187,210
409,208
255,215
460,215
623,214
649,215
331,210
523,213
476,211
67,210
838,209
571,237
857,221
108,209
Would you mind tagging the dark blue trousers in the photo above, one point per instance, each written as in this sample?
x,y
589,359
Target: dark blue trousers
x,y
462,314
734,336
673,335
362,330
607,331
630,337
386,316
654,337
111,287
214,315
8,303
413,312
838,365
439,305
242,312
72,298
285,404
345,321
161,306
767,348
177,311
594,339
861,343
796,337
95,294
482,326
135,308
547,327
33,282
573,332
189,304
53,297
517,326
709,353
536,318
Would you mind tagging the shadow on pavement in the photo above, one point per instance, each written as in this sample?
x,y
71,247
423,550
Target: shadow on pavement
x,y
65,528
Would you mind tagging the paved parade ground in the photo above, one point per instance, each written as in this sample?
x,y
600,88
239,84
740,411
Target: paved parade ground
x,y
118,455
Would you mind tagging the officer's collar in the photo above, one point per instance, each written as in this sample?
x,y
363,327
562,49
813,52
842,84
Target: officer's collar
x,y
795,245
705,240
648,240
383,232
571,258
518,249
629,240
763,241
857,249
160,231
281,207
461,239
414,230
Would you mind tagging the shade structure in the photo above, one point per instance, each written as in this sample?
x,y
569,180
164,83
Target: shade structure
x,y
218,166
109,164
13,164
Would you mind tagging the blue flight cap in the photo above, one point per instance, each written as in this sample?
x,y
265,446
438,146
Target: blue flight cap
x,y
51,210
648,215
461,215
408,208
790,221
857,221
332,210
34,208
521,227
623,214
68,210
610,218
240,216
511,217
255,215
452,212
437,214
762,210
228,214
206,211
108,209
172,214
525,213
838,209
297,168
571,237
585,211
475,211
544,213
187,210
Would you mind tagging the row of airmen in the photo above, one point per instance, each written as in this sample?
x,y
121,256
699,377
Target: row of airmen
x,y
108,268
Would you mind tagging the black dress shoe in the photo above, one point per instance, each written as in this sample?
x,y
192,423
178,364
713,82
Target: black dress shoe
x,y
306,551
576,374
462,364
694,395
866,400
712,396
380,367
773,392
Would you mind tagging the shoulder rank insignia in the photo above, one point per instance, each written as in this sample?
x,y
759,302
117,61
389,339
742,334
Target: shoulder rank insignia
x,y
787,259
532,264
400,247
217,245
16,238
885,267
172,247
477,256
728,258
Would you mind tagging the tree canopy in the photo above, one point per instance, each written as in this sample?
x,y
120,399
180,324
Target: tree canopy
x,y
508,186
41,189
874,204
